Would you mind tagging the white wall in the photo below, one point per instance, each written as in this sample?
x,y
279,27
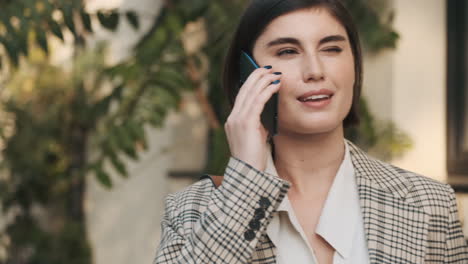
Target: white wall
x,y
378,83
420,84
408,85
122,41
124,222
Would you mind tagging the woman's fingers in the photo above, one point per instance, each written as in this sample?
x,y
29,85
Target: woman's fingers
x,y
259,102
261,85
245,133
250,84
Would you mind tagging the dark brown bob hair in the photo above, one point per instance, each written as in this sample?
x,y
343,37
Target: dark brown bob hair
x,y
259,14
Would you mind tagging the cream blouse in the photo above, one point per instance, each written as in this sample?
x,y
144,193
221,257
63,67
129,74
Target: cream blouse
x,y
340,223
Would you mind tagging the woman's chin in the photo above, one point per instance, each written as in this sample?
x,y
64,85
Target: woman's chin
x,y
316,127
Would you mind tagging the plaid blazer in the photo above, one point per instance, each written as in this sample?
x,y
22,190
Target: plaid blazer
x,y
408,218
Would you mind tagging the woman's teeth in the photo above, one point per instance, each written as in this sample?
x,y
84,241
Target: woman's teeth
x,y
316,97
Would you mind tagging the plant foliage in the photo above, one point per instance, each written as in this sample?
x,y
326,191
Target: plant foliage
x,y
23,22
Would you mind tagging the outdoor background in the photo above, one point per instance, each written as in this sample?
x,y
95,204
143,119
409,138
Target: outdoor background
x,y
106,106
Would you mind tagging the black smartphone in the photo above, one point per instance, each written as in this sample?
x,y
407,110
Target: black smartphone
x,y
269,116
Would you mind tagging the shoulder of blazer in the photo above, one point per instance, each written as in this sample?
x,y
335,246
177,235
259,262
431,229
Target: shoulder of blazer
x,y
215,179
426,191
419,184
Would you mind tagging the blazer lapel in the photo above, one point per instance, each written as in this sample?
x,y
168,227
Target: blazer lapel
x,y
396,228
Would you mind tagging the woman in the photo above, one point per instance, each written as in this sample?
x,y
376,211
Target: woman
x,y
308,195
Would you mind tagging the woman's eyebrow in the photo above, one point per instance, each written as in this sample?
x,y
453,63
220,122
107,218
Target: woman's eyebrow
x,y
332,38
280,41
295,41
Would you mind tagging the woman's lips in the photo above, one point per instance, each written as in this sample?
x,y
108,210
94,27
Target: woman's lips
x,y
320,92
318,103
316,99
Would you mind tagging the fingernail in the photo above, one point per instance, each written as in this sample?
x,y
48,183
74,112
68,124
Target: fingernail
x,y
277,73
268,67
276,82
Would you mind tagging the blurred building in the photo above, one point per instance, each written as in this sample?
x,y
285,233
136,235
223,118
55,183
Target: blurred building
x,y
407,85
420,86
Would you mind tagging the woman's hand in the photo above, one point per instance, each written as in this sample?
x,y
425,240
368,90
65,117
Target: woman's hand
x,y
246,135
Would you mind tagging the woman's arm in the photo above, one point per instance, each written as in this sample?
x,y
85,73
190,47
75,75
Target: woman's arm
x,y
228,230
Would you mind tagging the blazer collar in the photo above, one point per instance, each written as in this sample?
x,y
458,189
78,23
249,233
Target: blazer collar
x,y
396,226
383,175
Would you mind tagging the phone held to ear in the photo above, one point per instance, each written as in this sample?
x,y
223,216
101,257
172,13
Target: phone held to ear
x,y
269,116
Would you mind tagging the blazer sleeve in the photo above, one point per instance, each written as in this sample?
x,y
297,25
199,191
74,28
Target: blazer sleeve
x,y
228,230
456,248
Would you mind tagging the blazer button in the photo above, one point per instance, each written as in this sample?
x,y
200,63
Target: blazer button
x,y
249,235
264,202
254,224
259,213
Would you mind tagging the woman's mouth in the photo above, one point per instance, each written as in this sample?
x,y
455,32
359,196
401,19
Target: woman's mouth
x,y
316,99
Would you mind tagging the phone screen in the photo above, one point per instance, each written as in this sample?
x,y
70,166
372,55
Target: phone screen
x,y
269,116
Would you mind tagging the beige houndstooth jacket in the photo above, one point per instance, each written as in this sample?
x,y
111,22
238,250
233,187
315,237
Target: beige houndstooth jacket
x,y
408,218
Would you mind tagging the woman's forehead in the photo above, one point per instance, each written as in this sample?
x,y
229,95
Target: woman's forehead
x,y
306,24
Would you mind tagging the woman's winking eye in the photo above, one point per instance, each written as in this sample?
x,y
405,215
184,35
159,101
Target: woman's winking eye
x,y
333,49
283,52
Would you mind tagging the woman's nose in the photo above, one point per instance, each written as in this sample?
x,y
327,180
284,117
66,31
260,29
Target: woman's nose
x,y
312,69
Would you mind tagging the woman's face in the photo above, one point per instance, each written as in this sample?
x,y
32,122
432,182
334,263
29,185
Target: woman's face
x,y
312,50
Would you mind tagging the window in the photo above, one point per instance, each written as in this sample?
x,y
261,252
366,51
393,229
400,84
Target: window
x,y
457,94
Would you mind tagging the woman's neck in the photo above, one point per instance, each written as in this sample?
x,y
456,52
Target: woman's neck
x,y
309,162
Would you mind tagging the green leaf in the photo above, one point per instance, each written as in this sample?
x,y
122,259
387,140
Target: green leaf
x,y
129,71
101,107
126,141
153,47
195,9
11,51
111,145
21,38
156,120
218,152
174,23
42,40
138,133
131,152
86,19
109,20
118,165
167,95
102,177
132,18
22,45
117,91
68,19
136,130
56,29
175,77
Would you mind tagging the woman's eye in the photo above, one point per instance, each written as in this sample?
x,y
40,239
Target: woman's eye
x,y
286,52
333,50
